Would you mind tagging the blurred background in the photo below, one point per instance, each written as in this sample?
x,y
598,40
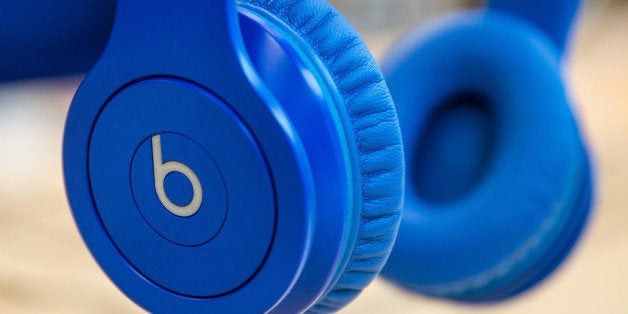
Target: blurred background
x,y
45,267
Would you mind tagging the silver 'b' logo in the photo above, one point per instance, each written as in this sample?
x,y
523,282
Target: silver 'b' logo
x,y
161,170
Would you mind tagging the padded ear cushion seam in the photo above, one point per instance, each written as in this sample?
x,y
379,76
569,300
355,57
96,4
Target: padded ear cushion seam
x,y
580,198
376,133
522,253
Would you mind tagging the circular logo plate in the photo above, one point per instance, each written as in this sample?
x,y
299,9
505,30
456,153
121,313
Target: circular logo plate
x,y
182,188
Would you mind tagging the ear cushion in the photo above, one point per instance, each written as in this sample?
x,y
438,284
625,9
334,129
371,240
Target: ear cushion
x,y
499,184
355,80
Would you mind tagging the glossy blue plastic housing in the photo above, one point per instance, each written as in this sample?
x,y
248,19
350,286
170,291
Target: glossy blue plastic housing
x,y
179,109
498,183
42,38
150,54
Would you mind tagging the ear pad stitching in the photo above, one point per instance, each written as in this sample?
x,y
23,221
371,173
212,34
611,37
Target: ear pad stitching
x,y
376,131
571,229
553,222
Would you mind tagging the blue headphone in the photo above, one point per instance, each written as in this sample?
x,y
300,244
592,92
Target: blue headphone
x,y
249,159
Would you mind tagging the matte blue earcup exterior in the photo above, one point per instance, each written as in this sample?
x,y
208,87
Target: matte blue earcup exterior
x,y
43,38
178,74
498,181
358,90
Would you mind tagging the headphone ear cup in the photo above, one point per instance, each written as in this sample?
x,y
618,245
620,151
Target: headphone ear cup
x,y
498,181
217,167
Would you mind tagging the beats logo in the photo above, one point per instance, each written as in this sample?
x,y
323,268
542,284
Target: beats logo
x,y
178,188
161,170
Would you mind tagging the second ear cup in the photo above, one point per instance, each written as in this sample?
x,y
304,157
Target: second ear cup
x,y
498,181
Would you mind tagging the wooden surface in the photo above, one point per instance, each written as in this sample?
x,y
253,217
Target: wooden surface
x,y
45,268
